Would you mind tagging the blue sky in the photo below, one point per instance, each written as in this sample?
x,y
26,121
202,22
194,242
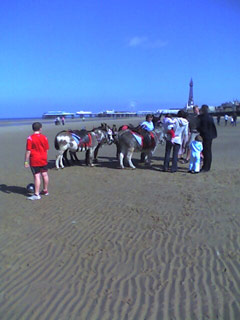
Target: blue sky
x,y
114,54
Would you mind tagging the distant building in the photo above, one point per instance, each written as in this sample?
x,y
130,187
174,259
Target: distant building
x,y
229,106
168,111
145,112
190,103
54,114
85,114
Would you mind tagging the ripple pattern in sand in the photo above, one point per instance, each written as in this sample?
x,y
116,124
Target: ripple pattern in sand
x,y
122,259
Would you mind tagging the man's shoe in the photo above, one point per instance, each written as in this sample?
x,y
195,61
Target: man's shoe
x,y
34,197
204,170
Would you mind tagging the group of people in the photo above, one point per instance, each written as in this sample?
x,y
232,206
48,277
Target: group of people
x,y
187,133
59,120
233,119
191,134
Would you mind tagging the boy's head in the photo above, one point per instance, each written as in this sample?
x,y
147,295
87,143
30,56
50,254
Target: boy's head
x,y
36,126
199,138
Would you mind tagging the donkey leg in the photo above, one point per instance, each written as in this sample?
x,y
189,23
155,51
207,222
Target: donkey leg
x,y
118,151
91,153
89,158
61,161
96,153
149,156
142,157
65,159
121,158
57,161
71,156
129,157
75,157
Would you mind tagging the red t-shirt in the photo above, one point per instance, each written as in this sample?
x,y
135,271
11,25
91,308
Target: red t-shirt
x,y
37,143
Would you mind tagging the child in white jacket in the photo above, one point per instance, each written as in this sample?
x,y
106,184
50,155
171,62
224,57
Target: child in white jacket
x,y
196,148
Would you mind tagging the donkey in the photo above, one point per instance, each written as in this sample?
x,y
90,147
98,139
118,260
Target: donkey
x,y
80,140
106,134
129,141
138,130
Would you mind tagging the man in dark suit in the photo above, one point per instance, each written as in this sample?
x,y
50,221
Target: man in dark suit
x,y
208,131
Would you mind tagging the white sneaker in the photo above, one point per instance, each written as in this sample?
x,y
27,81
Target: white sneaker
x,y
34,197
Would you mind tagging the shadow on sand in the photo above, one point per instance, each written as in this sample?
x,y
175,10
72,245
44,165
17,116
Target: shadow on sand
x,y
13,189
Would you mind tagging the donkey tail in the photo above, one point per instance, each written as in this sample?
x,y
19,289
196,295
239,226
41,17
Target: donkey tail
x,y
56,144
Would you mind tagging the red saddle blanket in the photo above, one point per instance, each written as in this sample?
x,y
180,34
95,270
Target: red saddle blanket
x,y
143,137
146,140
83,138
86,141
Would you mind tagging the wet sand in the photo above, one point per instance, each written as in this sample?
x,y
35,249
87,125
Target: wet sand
x,y
120,244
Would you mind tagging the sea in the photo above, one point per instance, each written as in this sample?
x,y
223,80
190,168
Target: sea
x,y
20,121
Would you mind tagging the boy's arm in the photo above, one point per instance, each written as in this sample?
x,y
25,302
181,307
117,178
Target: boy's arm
x,y
27,156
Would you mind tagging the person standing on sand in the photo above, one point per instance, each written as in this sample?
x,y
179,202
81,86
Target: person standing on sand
x,y
193,122
226,119
235,119
180,128
207,129
196,148
36,152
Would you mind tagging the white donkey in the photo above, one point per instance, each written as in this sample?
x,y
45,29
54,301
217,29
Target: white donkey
x,y
81,140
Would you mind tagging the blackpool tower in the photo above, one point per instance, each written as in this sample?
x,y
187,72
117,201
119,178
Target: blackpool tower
x,y
190,98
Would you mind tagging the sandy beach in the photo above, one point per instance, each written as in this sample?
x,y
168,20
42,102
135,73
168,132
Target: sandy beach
x,y
112,244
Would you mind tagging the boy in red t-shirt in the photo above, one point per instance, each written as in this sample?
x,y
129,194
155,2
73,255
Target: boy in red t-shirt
x,y
36,151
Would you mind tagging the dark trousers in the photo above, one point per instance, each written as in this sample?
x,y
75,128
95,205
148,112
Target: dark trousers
x,y
207,154
169,147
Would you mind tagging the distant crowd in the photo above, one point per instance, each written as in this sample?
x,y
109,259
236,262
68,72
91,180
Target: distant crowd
x,y
227,118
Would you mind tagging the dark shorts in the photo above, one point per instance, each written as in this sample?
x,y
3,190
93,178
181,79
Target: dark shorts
x,y
36,170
